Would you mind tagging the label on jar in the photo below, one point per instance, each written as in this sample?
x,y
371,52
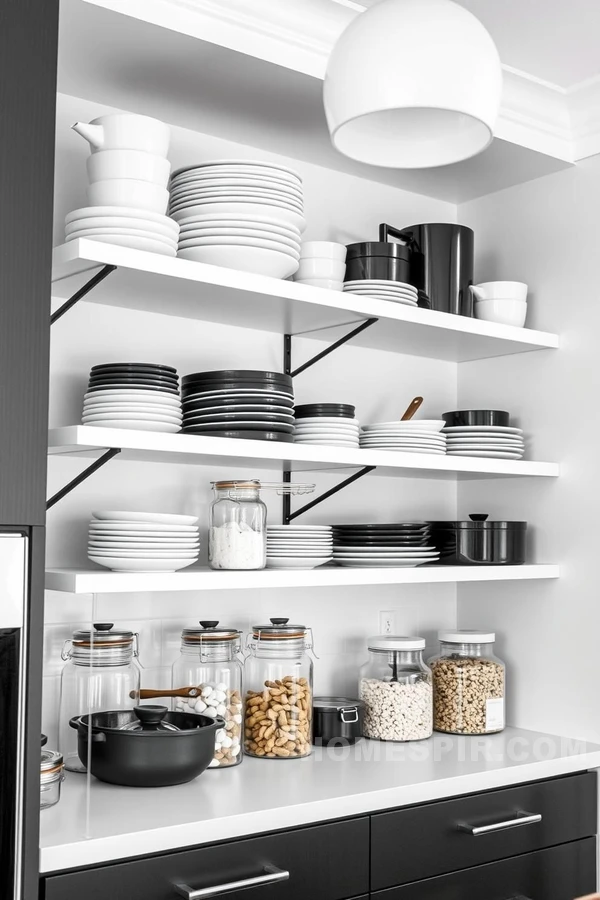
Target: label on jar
x,y
494,714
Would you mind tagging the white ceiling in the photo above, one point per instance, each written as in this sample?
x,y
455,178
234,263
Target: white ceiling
x,y
554,40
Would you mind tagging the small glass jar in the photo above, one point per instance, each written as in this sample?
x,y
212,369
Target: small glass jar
x,y
278,676
468,684
237,528
51,778
210,666
101,674
395,686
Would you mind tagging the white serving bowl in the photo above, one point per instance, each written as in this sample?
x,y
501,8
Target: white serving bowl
x,y
323,250
331,269
107,164
497,290
503,310
327,283
128,192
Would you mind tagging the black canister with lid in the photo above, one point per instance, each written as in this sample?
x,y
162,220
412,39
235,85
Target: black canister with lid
x,y
378,260
480,542
337,721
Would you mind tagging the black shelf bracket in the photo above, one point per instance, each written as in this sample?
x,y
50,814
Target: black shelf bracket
x,y
97,464
287,348
87,287
288,515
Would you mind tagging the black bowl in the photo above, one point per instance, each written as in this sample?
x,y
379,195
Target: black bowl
x,y
476,417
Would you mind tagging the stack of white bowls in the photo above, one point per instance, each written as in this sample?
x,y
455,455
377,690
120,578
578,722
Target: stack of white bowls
x,y
143,542
241,214
411,436
504,302
299,546
322,264
128,173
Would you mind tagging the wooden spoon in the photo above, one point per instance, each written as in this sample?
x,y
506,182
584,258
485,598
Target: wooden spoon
x,y
411,409
176,692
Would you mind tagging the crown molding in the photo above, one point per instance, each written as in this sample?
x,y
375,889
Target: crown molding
x,y
299,35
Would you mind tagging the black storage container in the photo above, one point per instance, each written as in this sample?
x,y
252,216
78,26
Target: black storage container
x,y
479,542
337,721
379,260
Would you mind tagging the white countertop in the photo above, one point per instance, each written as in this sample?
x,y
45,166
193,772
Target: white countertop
x,y
98,823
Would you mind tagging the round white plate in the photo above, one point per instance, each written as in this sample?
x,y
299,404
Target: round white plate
x,y
229,177
383,291
158,537
272,209
146,554
136,243
483,445
234,241
380,282
218,234
259,260
380,563
332,442
315,424
94,233
328,420
149,410
237,219
405,434
434,425
403,449
117,212
126,394
227,189
156,549
130,417
120,515
310,552
223,195
295,563
474,429
301,541
490,454
328,431
288,528
141,565
168,228
236,164
136,425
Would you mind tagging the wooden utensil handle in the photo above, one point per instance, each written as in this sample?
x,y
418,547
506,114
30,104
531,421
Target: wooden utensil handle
x,y
411,409
177,692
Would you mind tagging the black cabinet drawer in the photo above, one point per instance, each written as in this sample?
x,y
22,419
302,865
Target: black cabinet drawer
x,y
325,862
424,841
559,873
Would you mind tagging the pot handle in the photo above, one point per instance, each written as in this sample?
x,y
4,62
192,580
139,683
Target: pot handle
x,y
98,737
387,231
74,722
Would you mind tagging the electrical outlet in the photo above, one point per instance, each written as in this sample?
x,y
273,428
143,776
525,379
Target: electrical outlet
x,y
386,621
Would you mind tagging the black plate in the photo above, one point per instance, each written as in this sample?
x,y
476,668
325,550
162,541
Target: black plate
x,y
325,409
154,367
476,417
401,526
158,382
129,375
266,421
390,540
135,386
256,405
244,435
233,386
238,375
241,425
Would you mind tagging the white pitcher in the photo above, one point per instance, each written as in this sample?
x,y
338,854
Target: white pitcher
x,y
124,131
500,290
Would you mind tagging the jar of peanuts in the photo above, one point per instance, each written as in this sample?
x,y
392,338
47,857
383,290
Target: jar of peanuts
x,y
210,667
468,684
278,676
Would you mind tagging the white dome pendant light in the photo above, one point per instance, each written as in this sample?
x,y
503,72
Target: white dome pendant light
x,y
412,84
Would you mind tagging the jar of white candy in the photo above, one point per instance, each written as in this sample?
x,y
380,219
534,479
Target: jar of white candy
x,y
210,666
396,687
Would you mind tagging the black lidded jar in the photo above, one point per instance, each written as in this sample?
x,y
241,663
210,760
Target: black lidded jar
x,y
337,721
479,542
379,260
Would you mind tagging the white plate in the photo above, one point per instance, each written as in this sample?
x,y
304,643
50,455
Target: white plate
x,y
118,212
149,409
258,260
251,164
383,291
272,209
490,454
150,554
434,425
103,547
235,195
141,565
218,234
310,552
136,425
328,420
288,528
228,189
283,562
329,430
234,241
94,233
474,429
315,425
485,445
351,445
402,449
158,537
405,434
380,563
371,282
121,515
301,543
223,176
236,219
403,301
130,416
136,243
168,228
126,395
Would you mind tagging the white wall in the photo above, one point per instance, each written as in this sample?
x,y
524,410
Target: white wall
x,y
379,384
546,233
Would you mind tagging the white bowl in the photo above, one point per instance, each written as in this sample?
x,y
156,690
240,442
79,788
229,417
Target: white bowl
x,y
258,260
328,284
494,290
128,164
503,310
130,193
332,269
169,229
323,250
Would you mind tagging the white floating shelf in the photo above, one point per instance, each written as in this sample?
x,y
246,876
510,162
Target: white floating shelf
x,y
152,446
180,287
101,581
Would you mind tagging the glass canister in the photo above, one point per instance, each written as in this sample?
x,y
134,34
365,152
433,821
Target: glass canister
x,y
51,777
468,684
278,675
210,667
101,674
395,686
237,528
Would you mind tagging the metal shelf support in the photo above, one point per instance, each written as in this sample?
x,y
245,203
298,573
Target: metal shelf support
x,y
288,515
287,348
87,287
97,464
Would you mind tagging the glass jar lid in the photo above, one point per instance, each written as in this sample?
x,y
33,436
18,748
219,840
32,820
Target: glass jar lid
x,y
279,630
211,635
390,642
101,647
51,762
279,487
102,636
467,637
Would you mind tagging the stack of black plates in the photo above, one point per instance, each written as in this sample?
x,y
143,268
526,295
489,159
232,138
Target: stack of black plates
x,y
239,403
141,396
326,423
403,544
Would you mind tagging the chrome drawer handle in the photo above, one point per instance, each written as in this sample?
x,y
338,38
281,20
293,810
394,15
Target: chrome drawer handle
x,y
521,818
271,876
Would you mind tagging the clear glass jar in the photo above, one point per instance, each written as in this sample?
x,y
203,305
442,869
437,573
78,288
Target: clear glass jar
x,y
51,777
237,528
395,686
101,674
468,684
278,676
210,666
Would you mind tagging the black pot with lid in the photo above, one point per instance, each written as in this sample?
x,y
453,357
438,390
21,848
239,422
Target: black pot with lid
x,y
378,260
480,541
337,721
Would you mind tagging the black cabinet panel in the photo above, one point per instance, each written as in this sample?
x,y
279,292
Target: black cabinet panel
x,y
325,862
559,873
424,841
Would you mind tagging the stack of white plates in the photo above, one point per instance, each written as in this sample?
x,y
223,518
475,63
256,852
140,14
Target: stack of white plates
x,y
140,396
298,546
143,542
136,228
412,436
240,214
396,291
494,441
380,546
